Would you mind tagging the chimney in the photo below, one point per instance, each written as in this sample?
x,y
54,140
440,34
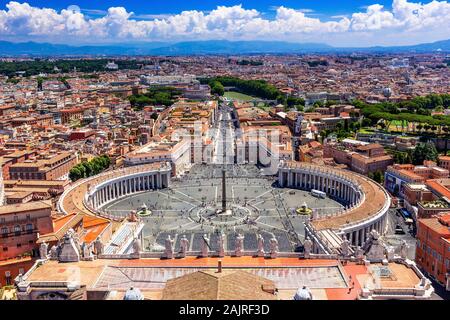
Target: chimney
x,y
219,266
269,288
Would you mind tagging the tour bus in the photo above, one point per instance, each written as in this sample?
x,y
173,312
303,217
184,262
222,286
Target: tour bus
x,y
318,194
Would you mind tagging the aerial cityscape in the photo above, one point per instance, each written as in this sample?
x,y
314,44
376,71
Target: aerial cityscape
x,y
225,151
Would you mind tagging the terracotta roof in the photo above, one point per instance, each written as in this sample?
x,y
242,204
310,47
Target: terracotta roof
x,y
226,285
444,158
94,226
60,227
22,207
369,146
315,144
445,219
434,224
439,186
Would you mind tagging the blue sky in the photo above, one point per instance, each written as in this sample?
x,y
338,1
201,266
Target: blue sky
x,y
339,22
325,8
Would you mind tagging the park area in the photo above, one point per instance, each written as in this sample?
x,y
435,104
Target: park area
x,y
233,95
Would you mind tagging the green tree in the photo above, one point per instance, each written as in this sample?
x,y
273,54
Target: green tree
x,y
89,168
366,122
75,174
378,177
424,151
217,88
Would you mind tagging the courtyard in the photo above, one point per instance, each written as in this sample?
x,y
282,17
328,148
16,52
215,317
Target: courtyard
x,y
190,207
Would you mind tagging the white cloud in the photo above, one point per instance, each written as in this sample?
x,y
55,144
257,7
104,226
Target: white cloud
x,y
373,25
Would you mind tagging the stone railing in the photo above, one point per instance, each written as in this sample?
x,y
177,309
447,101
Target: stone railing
x,y
161,255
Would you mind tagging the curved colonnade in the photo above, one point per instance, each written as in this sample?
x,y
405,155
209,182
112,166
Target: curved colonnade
x,y
366,202
89,195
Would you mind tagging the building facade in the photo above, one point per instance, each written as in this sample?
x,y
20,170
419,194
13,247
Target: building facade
x,y
50,167
433,248
20,226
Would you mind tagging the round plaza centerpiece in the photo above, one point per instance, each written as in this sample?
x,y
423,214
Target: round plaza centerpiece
x,y
144,211
303,209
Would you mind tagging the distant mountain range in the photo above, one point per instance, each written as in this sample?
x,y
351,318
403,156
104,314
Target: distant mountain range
x,y
202,48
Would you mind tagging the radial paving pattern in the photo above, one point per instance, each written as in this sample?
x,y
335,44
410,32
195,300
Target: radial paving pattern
x,y
189,207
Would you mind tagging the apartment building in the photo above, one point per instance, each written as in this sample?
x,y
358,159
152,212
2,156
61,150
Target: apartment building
x,y
398,175
359,156
46,167
20,226
433,248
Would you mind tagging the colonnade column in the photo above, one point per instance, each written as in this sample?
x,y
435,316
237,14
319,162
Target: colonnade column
x,y
290,179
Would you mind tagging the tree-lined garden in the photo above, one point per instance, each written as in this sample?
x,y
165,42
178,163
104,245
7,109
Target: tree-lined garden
x,y
89,168
154,96
412,115
257,88
37,66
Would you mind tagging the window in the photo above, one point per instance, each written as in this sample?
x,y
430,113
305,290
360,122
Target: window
x,y
4,232
16,218
19,245
29,228
8,278
28,217
17,230
5,249
2,220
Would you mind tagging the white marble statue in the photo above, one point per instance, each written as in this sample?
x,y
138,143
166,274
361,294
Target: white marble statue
x,y
136,247
261,251
205,246
43,250
184,246
359,253
239,245
345,248
273,247
87,252
307,247
404,249
168,243
98,245
221,245
54,252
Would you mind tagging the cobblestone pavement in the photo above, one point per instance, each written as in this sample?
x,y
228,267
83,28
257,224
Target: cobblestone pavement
x,y
189,206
